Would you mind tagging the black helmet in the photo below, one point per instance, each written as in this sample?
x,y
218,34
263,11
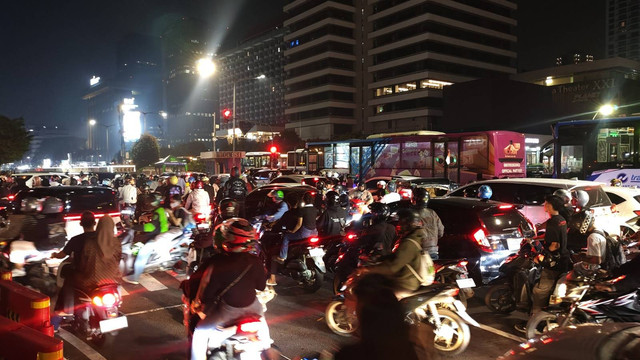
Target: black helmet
x,y
321,185
564,194
380,211
332,198
392,186
235,171
409,219
361,183
228,208
421,196
338,188
344,200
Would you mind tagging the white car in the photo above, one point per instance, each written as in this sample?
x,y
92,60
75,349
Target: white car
x,y
528,195
626,206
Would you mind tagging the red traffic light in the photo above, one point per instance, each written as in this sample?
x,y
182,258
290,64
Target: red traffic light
x,y
273,149
226,113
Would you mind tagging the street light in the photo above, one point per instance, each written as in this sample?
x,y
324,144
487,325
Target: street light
x,y
605,110
92,122
205,67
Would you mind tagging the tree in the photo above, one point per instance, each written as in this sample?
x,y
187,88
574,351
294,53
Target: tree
x,y
15,139
145,151
288,140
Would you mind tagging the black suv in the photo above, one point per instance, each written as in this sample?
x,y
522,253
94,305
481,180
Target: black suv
x,y
257,202
484,232
102,201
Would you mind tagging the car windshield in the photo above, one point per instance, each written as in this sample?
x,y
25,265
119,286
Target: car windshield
x,y
78,200
504,221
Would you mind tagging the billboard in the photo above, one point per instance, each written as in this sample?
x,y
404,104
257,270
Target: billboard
x,y
131,127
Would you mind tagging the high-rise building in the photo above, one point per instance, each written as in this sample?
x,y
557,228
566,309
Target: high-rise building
x,y
324,68
256,68
623,29
189,99
380,66
417,47
573,58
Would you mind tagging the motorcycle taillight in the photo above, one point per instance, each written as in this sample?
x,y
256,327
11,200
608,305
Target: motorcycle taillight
x,y
249,327
105,300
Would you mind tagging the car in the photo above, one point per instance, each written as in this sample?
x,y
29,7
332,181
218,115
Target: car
x,y
485,232
606,341
102,201
528,195
437,187
299,179
257,202
29,177
537,170
626,206
263,176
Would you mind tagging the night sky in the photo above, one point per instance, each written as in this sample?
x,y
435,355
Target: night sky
x,y
50,49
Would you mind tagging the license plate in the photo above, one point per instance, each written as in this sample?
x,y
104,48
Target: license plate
x,y
202,226
465,283
316,252
513,244
113,324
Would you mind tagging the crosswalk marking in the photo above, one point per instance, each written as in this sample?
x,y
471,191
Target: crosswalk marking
x,y
150,283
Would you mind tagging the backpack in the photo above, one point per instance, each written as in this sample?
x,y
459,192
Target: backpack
x,y
614,252
237,189
426,273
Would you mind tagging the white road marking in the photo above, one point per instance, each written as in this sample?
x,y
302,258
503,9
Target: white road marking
x,y
153,310
123,292
85,349
150,283
175,275
502,333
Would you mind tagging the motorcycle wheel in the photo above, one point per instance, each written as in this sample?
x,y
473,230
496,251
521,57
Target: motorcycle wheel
x,y
338,320
453,335
543,322
314,283
338,282
500,299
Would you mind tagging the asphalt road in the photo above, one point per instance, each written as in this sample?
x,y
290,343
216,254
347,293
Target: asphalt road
x,y
296,322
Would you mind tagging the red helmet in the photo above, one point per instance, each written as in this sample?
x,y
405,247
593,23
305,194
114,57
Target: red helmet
x,y
239,235
198,185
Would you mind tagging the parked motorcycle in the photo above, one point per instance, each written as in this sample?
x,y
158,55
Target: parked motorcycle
x,y
435,304
171,248
518,275
576,301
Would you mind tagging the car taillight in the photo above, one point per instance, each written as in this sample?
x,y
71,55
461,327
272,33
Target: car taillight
x,y
72,217
315,179
11,197
351,237
249,327
505,207
406,193
314,240
463,263
481,238
97,216
303,182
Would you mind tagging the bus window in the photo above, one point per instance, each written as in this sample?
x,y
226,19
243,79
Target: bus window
x,y
328,157
355,160
342,156
416,155
389,157
571,160
452,160
615,145
475,153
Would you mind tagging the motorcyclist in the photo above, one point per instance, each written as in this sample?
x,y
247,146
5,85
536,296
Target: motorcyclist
x,y
228,287
235,188
128,194
179,216
407,256
361,193
279,206
577,234
99,258
198,200
211,191
172,189
159,224
334,218
73,249
567,209
431,222
381,191
319,199
380,235
40,232
392,194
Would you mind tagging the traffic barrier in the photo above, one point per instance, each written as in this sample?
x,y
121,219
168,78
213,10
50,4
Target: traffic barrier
x,y
19,342
25,306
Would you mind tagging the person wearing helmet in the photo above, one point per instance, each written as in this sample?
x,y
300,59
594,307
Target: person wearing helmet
x,y
178,215
228,209
361,193
407,256
567,209
381,191
334,218
211,191
344,200
577,235
485,192
128,194
278,208
172,189
380,235
198,200
227,289
555,257
430,221
234,188
146,233
392,194
144,189
319,201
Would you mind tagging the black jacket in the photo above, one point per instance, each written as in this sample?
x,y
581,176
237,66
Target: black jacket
x,y
332,221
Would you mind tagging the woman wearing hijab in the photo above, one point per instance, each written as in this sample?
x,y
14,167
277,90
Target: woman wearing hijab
x,y
100,260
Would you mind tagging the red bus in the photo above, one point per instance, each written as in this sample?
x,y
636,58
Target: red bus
x,y
460,157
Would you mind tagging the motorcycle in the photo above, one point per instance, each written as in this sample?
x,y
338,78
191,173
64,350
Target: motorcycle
x,y
127,214
304,263
435,304
519,274
170,250
576,301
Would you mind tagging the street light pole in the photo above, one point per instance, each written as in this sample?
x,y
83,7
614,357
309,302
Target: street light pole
x,y
214,135
233,114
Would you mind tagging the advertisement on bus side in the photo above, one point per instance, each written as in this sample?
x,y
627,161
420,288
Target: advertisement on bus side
x,y
628,177
510,153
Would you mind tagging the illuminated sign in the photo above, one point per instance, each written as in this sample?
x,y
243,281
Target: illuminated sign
x,y
95,80
131,127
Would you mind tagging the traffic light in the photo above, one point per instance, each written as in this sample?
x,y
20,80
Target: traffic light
x,y
226,114
273,150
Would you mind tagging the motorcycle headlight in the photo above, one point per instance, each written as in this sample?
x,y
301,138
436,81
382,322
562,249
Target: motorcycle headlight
x,y
562,290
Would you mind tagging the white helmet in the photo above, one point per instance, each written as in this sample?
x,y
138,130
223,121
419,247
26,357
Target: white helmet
x,y
382,183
